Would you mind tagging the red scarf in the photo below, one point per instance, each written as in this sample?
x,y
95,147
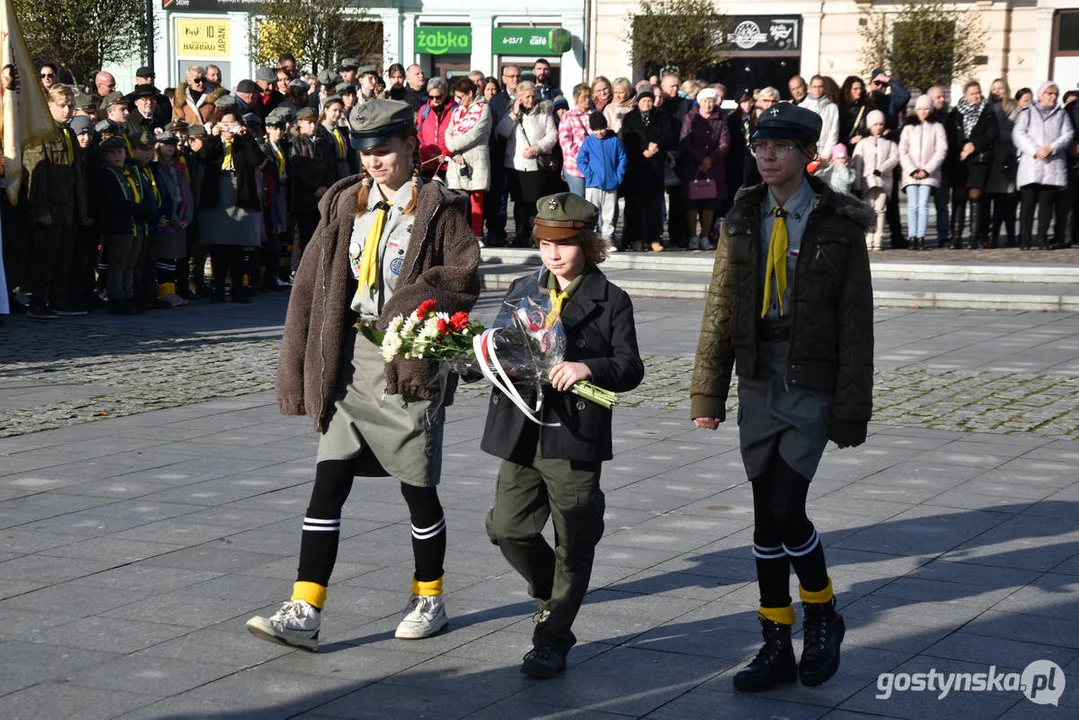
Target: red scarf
x,y
464,119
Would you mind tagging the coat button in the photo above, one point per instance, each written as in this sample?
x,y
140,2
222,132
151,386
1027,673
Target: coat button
x,y
496,398
580,406
580,343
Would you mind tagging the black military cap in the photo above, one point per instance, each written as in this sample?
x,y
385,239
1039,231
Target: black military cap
x,y
376,121
145,72
563,216
112,143
785,121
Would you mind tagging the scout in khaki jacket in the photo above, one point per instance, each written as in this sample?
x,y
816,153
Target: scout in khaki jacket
x,y
56,189
385,244
553,472
790,307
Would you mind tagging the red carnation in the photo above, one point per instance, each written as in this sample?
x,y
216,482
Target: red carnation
x,y
443,327
459,321
425,307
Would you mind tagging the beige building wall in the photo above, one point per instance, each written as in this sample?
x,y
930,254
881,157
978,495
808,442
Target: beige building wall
x,y
1017,47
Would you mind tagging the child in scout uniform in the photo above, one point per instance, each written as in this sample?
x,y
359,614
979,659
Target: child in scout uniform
x,y
554,472
790,308
147,293
385,244
122,211
56,190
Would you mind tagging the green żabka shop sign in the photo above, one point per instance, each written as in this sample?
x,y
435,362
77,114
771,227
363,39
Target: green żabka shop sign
x,y
441,40
530,41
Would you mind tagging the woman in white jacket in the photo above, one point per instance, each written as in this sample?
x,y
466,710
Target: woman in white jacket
x,y
468,142
874,159
923,146
531,133
1042,135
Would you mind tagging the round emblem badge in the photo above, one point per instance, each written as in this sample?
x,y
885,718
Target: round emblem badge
x,y
396,264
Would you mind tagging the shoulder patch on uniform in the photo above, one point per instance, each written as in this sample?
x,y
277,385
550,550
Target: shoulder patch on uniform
x,y
396,264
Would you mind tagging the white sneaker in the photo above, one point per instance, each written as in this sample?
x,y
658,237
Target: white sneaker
x,y
694,243
426,616
174,300
706,244
295,624
611,249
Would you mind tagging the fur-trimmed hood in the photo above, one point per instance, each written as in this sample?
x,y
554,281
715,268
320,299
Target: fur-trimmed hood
x,y
179,98
843,205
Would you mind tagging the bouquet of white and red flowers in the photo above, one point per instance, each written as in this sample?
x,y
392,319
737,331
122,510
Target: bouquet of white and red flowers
x,y
527,343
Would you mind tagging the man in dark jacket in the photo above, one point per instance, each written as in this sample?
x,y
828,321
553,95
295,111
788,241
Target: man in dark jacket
x,y
162,105
803,350
1070,229
496,200
142,117
675,107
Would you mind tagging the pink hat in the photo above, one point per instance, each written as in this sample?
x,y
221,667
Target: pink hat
x,y
839,150
874,117
924,101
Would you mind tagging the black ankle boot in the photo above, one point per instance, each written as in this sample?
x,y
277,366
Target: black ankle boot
x,y
774,663
822,633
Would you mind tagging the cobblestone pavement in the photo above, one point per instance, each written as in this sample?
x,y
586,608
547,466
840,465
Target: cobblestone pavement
x,y
951,370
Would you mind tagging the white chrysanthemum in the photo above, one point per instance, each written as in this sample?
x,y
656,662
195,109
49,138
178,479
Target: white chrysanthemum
x,y
391,346
430,330
409,326
395,325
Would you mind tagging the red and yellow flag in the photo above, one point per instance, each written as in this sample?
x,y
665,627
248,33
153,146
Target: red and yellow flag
x,y
26,117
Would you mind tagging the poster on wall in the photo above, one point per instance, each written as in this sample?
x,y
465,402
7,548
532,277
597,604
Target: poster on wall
x,y
761,33
203,38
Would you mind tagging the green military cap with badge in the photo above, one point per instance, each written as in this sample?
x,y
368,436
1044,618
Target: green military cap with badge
x,y
143,139
563,216
197,131
279,117
306,114
376,121
84,102
367,70
113,98
350,64
225,101
108,127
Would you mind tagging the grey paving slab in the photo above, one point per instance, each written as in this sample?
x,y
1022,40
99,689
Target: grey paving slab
x,y
60,700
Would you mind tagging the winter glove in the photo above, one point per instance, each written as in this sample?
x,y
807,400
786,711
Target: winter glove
x,y
878,173
847,433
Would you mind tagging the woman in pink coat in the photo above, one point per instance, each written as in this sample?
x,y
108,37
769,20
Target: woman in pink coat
x,y
874,159
922,149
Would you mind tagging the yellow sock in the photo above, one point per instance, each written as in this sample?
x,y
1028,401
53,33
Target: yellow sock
x,y
164,289
309,592
820,596
783,615
427,589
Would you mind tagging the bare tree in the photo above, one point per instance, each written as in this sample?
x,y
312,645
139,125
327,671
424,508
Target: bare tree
x,y
926,43
687,36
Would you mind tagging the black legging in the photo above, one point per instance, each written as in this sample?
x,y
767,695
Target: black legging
x,y
322,524
783,536
227,259
1044,197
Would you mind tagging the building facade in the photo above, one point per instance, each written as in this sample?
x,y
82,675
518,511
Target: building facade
x,y
446,37
1029,40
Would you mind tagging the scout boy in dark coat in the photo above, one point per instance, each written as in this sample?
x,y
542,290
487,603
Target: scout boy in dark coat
x,y
790,307
554,472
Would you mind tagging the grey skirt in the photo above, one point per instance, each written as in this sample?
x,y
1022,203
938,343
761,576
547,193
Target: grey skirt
x,y
227,224
775,419
389,435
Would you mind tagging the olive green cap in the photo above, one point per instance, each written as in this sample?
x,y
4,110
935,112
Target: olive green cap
x,y
563,216
376,121
111,99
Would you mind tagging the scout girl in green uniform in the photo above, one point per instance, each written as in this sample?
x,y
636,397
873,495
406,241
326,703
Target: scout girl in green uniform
x,y
384,245
790,307
553,472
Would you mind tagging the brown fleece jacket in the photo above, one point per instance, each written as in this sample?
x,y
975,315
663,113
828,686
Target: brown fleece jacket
x,y
440,264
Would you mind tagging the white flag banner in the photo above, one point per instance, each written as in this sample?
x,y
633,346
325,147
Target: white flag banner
x,y
26,117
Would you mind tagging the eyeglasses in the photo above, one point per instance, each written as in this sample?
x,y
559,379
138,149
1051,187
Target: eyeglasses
x,y
48,75
198,80
434,97
511,77
878,83
779,149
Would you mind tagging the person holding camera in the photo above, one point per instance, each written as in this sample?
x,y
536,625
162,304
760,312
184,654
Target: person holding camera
x,y
468,160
